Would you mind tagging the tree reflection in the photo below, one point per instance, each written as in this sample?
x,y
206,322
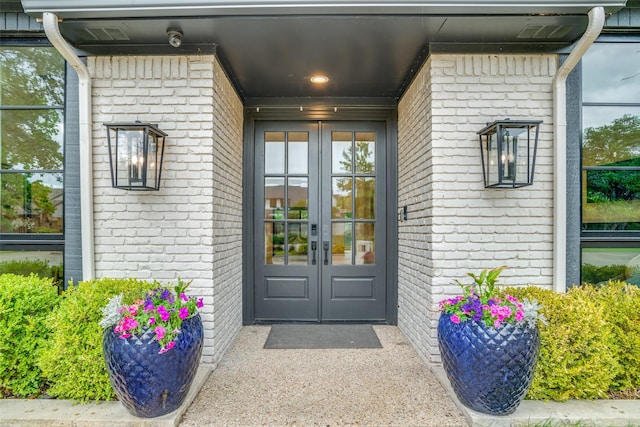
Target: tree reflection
x,y
32,81
611,199
354,199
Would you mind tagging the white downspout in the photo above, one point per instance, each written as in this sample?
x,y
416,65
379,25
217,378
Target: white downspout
x,y
596,23
50,23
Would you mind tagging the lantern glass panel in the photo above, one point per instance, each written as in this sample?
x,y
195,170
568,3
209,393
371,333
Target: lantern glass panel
x,y
153,159
130,157
515,154
491,157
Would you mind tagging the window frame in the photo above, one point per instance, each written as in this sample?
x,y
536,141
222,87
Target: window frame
x,y
603,238
36,242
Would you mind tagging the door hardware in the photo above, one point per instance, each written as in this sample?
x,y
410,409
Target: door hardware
x,y
325,247
314,246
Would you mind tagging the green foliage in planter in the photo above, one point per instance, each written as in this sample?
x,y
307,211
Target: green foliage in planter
x,y
25,304
72,360
578,351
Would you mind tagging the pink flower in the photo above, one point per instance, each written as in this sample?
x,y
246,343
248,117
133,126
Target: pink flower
x,y
455,319
160,332
152,321
512,299
496,323
129,323
164,314
133,309
519,315
183,297
167,347
183,313
125,336
200,304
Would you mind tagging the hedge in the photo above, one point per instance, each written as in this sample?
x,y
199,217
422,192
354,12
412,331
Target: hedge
x,y
25,304
591,345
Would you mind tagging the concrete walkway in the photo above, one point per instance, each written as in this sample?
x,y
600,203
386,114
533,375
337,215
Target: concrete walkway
x,y
252,386
366,387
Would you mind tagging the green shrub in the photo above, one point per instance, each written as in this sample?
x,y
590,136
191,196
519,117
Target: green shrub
x,y
578,351
25,304
621,302
72,361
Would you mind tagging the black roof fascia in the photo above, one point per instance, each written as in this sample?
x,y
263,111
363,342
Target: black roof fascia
x,y
73,9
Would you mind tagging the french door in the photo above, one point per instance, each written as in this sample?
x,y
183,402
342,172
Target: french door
x,y
319,221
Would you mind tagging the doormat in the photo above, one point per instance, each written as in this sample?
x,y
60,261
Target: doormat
x,y
321,336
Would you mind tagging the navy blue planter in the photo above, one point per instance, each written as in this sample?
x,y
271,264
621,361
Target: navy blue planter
x,y
490,369
147,383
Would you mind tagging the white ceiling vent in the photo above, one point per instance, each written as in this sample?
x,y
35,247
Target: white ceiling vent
x,y
106,33
544,31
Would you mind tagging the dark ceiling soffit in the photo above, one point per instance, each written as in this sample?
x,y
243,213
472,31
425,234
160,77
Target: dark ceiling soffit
x,y
73,9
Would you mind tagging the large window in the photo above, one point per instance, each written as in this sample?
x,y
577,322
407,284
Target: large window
x,y
31,160
611,162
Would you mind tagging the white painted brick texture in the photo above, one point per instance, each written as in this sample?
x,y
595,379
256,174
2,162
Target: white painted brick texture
x,y
191,228
455,225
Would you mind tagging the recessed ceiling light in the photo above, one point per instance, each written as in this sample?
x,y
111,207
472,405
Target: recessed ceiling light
x,y
319,79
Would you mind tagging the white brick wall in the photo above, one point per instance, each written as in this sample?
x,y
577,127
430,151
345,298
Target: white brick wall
x,y
192,227
455,225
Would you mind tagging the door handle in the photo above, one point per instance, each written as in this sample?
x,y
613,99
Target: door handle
x,y
325,247
314,247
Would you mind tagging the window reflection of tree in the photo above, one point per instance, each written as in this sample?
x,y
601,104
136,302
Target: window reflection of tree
x,y
611,156
356,197
31,139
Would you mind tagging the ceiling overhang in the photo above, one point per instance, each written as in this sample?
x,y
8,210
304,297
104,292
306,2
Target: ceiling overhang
x,y
367,49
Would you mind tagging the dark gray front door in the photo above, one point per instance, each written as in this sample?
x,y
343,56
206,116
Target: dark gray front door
x,y
320,221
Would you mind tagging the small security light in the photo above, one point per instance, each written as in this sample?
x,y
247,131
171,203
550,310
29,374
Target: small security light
x,y
175,37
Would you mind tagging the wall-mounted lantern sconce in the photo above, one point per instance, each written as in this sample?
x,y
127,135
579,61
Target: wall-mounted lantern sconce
x,y
135,154
508,151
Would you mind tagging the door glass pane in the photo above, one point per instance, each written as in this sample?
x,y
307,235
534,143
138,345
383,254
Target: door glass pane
x,y
298,197
274,244
365,152
342,239
31,203
365,198
603,264
274,198
273,152
298,157
341,198
297,243
365,243
341,161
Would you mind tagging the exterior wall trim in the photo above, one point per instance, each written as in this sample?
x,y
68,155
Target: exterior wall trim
x,y
122,8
